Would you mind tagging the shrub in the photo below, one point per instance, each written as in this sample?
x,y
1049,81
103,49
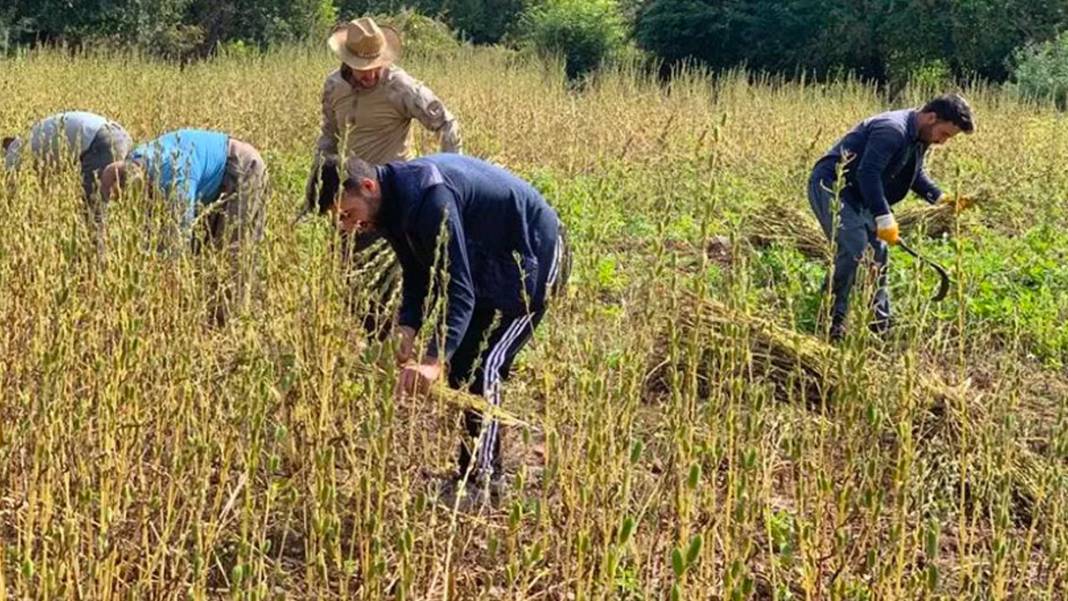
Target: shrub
x,y
262,23
478,21
178,42
483,21
585,33
422,35
922,76
1042,71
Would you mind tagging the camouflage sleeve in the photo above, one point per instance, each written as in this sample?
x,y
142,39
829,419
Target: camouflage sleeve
x,y
327,143
325,147
423,105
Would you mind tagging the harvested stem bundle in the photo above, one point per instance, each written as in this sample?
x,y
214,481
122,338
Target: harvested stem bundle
x,y
950,409
801,367
465,400
935,220
791,226
462,399
790,359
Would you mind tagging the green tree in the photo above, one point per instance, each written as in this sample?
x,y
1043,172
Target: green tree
x,y
1042,71
55,20
584,32
261,22
422,34
349,9
480,21
878,39
168,27
985,33
483,21
762,34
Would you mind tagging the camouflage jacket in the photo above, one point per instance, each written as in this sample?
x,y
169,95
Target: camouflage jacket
x,y
375,124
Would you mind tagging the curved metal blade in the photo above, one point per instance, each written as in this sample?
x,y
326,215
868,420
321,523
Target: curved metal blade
x,y
943,284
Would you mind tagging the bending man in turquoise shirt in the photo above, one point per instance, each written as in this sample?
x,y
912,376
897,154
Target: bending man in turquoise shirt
x,y
216,184
187,166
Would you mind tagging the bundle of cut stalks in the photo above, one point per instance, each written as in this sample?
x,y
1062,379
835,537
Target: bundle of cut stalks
x,y
464,400
794,361
950,409
804,369
788,226
792,226
936,220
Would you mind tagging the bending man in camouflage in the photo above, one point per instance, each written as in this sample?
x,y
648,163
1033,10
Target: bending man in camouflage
x,y
368,106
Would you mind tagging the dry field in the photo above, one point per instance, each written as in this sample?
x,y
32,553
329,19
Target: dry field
x,y
685,432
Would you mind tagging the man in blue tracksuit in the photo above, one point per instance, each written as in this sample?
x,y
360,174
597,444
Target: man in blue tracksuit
x,y
502,255
881,160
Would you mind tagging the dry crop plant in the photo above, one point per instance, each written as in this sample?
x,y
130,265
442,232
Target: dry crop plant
x,y
684,432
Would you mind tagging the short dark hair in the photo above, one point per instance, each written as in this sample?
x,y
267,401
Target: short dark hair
x,y
131,168
332,178
8,141
953,108
356,170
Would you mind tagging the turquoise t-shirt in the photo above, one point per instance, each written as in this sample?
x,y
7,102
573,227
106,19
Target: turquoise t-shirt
x,y
187,165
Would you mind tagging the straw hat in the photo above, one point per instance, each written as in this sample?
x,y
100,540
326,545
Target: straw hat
x,y
363,45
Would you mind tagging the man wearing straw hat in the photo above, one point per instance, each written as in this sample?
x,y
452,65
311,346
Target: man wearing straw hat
x,y
368,105
880,161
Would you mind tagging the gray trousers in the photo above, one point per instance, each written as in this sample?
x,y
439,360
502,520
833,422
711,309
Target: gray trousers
x,y
856,232
239,215
110,144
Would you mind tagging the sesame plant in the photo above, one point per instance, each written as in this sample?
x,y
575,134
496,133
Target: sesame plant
x,y
681,428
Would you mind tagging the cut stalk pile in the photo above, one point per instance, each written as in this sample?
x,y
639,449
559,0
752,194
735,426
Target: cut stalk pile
x,y
795,362
800,367
795,227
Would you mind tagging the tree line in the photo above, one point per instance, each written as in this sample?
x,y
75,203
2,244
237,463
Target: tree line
x,y
881,40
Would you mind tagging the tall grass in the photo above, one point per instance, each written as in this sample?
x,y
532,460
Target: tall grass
x,y
145,453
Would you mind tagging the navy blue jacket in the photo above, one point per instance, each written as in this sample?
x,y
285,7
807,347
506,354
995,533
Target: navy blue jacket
x,y
500,239
884,160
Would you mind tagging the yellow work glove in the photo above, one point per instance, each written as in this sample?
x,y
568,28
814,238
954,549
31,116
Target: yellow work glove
x,y
886,229
962,203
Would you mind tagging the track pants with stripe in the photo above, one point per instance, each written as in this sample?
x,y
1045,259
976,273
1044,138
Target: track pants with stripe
x,y
484,360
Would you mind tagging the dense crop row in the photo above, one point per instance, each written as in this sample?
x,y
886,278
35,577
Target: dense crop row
x,y
146,454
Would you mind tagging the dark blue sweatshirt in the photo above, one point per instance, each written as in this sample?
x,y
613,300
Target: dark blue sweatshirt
x,y
500,239
884,157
